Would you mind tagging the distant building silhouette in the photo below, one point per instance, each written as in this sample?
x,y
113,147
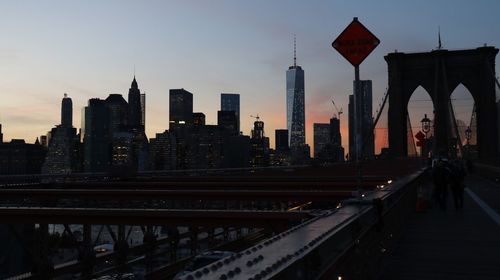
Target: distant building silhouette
x,y
17,157
118,113
228,120
198,118
162,151
136,110
259,152
321,137
352,129
97,138
362,100
281,140
63,147
1,134
67,111
180,108
231,102
295,106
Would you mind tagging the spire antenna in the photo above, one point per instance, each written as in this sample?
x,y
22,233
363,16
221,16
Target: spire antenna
x,y
439,38
294,51
134,70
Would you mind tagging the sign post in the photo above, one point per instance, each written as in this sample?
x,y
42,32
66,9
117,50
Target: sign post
x,y
355,43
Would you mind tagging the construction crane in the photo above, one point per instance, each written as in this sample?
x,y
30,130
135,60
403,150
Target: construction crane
x,y
339,112
257,118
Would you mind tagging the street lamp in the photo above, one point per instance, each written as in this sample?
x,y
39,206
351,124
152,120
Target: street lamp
x,y
426,125
426,128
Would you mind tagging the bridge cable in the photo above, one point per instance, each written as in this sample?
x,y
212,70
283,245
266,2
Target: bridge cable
x,y
451,112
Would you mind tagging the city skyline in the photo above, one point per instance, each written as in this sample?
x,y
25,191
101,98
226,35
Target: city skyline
x,y
55,50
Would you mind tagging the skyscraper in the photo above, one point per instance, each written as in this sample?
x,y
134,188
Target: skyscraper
x,y
321,137
97,138
231,102
66,111
181,108
361,121
64,145
295,112
135,108
1,134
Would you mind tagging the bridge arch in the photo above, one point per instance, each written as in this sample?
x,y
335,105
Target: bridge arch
x,y
439,72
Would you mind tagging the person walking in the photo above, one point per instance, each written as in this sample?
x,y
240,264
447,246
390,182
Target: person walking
x,y
440,177
457,177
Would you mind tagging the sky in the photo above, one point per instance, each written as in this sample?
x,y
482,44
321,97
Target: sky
x,y
90,49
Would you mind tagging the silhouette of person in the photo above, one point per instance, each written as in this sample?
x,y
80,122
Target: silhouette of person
x,y
457,183
440,177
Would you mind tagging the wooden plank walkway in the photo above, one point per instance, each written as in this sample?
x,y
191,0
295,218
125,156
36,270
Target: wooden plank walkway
x,y
450,244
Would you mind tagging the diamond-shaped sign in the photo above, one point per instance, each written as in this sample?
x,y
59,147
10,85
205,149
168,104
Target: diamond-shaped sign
x,y
420,136
355,43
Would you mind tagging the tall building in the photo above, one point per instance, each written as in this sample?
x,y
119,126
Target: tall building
x,y
295,111
118,113
63,147
162,153
180,108
259,149
363,120
66,111
135,108
321,137
335,137
352,129
231,102
97,138
281,140
1,134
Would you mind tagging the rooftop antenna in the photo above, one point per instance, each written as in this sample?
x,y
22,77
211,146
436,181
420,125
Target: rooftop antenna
x,y
439,38
294,51
134,70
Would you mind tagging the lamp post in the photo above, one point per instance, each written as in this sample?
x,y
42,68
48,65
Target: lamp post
x,y
426,128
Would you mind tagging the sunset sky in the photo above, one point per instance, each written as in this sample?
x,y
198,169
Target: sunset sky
x,y
89,48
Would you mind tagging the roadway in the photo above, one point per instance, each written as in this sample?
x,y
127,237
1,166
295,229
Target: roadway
x,y
451,244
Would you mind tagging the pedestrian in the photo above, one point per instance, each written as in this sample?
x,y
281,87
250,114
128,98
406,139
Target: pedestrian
x,y
440,177
457,177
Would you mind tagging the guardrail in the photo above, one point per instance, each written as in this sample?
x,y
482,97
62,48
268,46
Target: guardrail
x,y
346,243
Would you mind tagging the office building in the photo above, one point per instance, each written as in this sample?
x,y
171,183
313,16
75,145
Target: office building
x,y
321,137
295,110
259,145
281,140
335,136
118,113
352,129
1,134
231,102
97,138
66,111
18,157
180,108
162,151
363,103
136,111
63,147
198,118
228,121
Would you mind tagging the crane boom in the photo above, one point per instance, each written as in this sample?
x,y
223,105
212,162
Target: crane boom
x,y
339,112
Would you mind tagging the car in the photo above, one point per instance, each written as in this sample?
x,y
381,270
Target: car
x,y
202,260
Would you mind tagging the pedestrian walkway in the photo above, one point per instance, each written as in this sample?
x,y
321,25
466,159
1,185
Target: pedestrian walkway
x,y
450,244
